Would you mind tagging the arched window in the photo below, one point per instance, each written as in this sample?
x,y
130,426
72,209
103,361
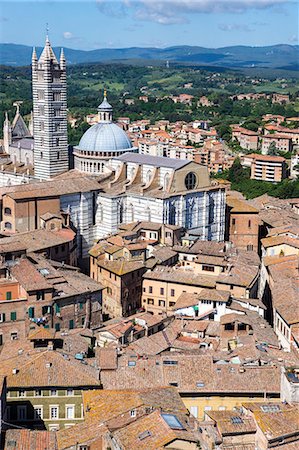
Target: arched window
x,y
8,225
148,176
211,210
131,209
172,215
166,182
7,211
189,213
121,213
148,214
100,212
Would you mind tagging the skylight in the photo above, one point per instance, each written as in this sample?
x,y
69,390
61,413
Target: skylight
x,y
131,363
168,362
270,408
172,421
44,272
236,419
200,384
144,435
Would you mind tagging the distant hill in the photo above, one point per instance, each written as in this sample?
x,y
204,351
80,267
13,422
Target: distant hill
x,y
281,56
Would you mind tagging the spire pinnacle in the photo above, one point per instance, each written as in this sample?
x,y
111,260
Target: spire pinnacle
x,y
34,55
105,93
47,33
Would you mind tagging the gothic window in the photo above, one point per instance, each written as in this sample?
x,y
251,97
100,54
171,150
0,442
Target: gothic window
x,y
189,213
172,215
101,212
41,110
56,96
148,214
40,76
58,155
41,155
57,112
190,180
166,181
41,95
211,210
57,142
57,127
148,176
121,213
131,213
41,126
42,141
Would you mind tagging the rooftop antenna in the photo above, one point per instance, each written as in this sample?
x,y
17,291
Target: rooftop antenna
x,y
47,31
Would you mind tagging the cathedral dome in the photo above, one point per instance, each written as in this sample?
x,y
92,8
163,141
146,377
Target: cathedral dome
x,y
103,137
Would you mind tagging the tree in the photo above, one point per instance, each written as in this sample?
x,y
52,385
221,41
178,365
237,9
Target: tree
x,y
272,151
237,173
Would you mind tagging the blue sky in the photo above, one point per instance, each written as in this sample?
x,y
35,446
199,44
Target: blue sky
x,y
91,24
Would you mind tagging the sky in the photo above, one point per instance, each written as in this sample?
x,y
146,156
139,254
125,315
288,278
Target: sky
x,y
92,24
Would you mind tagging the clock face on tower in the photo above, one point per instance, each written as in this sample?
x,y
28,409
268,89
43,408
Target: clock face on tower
x,y
190,180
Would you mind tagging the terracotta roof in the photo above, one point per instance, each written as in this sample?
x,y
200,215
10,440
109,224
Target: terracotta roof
x,y
30,440
192,373
239,206
42,334
275,420
180,276
185,300
214,294
107,358
120,266
285,286
152,432
104,405
266,157
89,433
211,260
212,248
155,343
29,277
68,184
280,240
231,422
52,368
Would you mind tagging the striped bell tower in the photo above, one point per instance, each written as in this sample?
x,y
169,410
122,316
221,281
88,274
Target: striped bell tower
x,y
49,113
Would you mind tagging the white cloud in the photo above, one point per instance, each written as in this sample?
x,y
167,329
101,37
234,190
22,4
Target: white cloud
x,y
294,39
234,27
168,12
68,35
